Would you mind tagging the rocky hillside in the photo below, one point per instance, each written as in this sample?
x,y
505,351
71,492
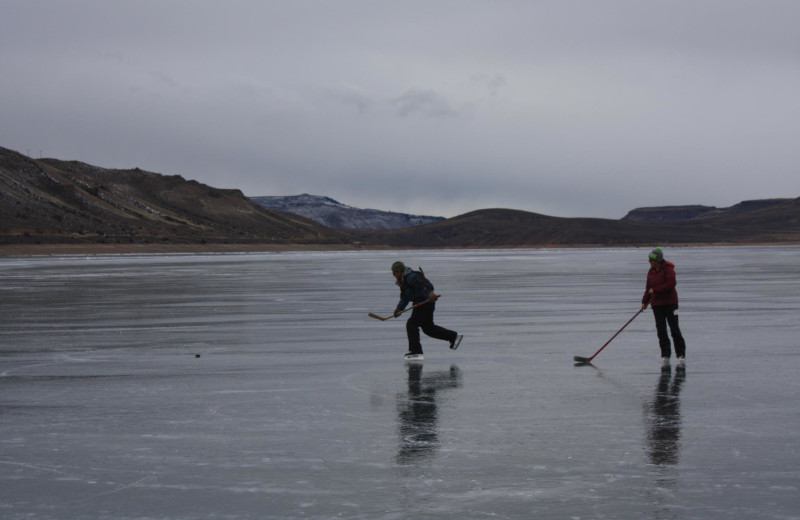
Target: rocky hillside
x,y
331,213
683,213
770,223
55,201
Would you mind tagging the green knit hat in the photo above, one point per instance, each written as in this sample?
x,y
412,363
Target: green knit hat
x,y
656,254
398,267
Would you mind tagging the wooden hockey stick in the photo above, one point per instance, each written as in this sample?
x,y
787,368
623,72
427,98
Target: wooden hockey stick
x,y
384,318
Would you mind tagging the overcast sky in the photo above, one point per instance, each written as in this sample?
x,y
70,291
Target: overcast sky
x,y
563,107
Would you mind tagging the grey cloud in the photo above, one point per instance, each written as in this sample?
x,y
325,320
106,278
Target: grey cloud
x,y
425,103
571,108
351,95
491,82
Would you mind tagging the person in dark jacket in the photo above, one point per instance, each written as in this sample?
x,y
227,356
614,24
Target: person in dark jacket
x,y
417,289
660,293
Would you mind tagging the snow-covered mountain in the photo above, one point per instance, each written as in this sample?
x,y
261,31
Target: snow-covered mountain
x,y
334,214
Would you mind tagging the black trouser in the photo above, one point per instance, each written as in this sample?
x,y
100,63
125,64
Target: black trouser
x,y
422,317
668,315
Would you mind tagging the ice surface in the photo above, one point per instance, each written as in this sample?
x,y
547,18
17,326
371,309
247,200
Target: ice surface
x,y
254,386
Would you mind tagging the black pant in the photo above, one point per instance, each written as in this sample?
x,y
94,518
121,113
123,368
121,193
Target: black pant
x,y
668,315
422,317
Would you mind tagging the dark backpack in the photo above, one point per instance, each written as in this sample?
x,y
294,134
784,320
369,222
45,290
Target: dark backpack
x,y
421,273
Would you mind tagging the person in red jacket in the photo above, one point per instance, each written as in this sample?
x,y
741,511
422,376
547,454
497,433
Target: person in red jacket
x,y
660,293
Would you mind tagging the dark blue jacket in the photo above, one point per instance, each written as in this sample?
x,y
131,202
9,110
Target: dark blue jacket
x,y
414,288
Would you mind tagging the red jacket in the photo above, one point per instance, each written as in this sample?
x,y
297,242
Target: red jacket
x,y
663,284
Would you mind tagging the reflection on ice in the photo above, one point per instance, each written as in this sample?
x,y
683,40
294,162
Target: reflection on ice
x,y
663,417
417,413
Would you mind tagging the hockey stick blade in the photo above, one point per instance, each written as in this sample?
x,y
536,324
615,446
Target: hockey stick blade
x,y
371,315
582,360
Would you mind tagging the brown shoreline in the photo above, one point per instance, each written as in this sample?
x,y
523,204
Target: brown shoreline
x,y
122,249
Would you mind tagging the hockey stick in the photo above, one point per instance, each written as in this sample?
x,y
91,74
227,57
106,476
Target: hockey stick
x,y
584,361
382,318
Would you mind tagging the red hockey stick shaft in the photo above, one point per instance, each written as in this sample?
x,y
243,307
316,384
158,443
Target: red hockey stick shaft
x,y
586,360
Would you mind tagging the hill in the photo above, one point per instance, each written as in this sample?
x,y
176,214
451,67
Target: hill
x,y
334,214
683,213
50,201
770,223
53,201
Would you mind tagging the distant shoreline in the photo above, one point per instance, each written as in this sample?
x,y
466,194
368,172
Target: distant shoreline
x,y
123,249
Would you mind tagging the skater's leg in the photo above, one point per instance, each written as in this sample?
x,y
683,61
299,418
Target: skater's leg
x,y
430,328
660,315
675,330
412,331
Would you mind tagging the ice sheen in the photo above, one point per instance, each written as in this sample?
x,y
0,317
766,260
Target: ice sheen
x,y
254,386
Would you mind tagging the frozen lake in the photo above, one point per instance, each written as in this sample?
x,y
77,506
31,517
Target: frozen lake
x,y
254,386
